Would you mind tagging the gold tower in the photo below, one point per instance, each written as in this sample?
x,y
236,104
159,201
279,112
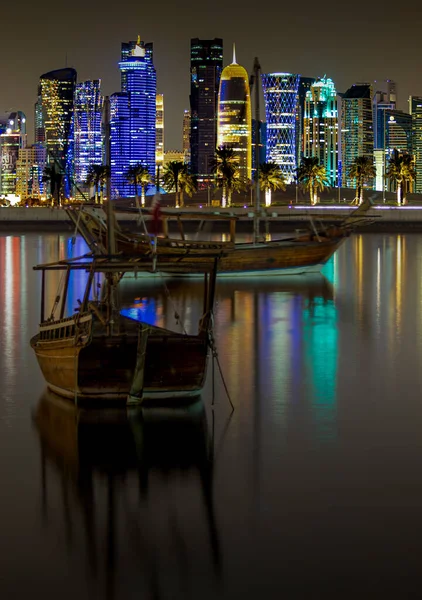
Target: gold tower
x,y
234,115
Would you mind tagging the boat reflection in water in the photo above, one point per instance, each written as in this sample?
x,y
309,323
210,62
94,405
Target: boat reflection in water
x,y
136,491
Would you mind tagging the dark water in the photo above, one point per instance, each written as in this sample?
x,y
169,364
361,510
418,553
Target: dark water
x,y
313,489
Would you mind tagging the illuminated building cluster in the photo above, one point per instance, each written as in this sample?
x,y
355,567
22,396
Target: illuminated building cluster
x,y
304,117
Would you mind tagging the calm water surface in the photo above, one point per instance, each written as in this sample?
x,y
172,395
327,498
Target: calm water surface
x,y
312,489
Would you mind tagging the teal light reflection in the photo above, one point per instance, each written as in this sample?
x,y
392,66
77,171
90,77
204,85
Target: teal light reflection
x,y
320,338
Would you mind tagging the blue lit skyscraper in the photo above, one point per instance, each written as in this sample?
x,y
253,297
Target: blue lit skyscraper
x,y
87,132
281,100
132,118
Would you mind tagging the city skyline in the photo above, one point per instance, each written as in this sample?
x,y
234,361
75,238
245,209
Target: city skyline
x,y
363,54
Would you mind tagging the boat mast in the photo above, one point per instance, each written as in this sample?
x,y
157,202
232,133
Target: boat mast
x,y
111,240
256,73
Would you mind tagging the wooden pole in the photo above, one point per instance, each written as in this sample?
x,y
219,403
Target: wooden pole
x,y
111,242
42,297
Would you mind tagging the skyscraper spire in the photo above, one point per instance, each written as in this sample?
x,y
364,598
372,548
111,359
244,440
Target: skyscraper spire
x,y
234,54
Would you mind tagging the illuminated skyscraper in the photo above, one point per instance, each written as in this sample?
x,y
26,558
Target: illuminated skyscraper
x,y
88,134
234,116
159,131
11,141
262,143
186,136
281,100
415,109
320,126
27,173
54,116
127,51
206,64
133,119
305,84
357,128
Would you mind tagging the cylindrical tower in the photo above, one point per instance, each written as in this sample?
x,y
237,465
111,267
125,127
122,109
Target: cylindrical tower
x,y
234,116
281,96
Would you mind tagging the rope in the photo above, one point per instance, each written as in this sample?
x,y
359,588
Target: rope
x,y
178,318
213,346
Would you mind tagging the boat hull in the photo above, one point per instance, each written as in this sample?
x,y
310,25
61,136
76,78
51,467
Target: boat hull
x,y
103,370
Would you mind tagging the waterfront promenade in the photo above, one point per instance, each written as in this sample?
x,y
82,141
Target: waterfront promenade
x,y
386,217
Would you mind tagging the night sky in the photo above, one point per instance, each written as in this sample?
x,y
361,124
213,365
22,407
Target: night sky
x,y
349,42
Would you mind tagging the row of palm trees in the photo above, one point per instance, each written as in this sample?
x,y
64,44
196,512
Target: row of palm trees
x,y
225,166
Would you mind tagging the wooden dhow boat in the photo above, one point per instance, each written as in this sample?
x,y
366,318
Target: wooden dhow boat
x,y
306,252
96,354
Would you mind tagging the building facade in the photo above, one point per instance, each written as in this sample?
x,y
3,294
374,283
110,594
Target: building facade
x,y
234,116
87,131
186,136
159,131
357,129
133,119
320,126
206,65
415,109
11,142
259,130
27,173
281,100
305,84
54,116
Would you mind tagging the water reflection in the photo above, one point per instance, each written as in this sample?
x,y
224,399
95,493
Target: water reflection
x,y
91,461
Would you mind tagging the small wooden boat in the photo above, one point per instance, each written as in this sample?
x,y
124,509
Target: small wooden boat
x,y
96,354
307,252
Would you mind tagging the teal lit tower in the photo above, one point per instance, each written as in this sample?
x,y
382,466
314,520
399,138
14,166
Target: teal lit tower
x,y
320,126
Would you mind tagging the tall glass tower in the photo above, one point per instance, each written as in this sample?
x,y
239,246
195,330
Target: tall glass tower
x,y
281,101
357,128
133,119
234,116
206,64
88,134
320,126
54,120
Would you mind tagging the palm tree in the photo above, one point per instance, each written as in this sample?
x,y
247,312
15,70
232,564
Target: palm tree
x,y
171,177
139,175
52,176
271,179
401,169
225,165
187,184
312,176
361,169
97,176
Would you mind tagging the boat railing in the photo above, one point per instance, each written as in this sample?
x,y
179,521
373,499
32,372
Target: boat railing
x,y
68,327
